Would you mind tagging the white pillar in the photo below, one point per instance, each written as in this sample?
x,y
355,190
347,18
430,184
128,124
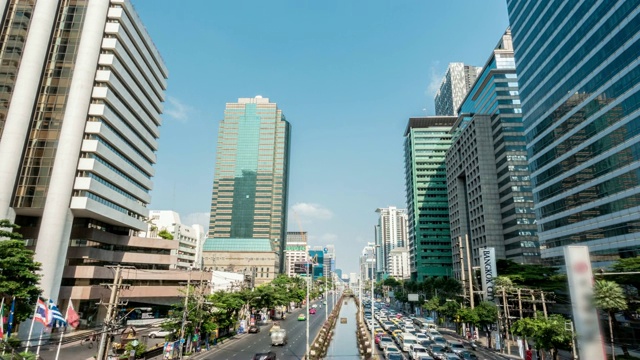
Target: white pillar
x,y
25,91
53,238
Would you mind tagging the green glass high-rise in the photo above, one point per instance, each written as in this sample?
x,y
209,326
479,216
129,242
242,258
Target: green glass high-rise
x,y
250,184
427,140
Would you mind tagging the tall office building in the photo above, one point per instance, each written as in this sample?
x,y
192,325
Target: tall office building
x,y
250,186
427,140
490,200
580,90
391,233
454,87
399,263
81,94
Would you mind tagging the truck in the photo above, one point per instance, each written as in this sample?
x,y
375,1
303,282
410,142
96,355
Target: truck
x,y
279,337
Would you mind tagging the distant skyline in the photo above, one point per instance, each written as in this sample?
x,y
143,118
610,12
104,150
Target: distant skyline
x,y
347,78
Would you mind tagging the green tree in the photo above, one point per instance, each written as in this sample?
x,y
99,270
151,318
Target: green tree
x,y
548,334
165,234
487,314
467,315
532,276
18,276
609,297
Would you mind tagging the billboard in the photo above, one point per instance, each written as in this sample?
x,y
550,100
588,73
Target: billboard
x,y
413,297
585,315
488,272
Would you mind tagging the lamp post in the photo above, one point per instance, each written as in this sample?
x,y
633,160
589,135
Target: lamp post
x,y
184,315
373,270
307,315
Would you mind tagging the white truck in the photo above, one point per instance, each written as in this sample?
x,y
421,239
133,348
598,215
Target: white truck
x,y
278,337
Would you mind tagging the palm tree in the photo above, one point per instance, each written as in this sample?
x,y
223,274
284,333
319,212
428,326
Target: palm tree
x,y
609,297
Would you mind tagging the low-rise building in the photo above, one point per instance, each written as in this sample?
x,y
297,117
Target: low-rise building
x,y
190,238
255,258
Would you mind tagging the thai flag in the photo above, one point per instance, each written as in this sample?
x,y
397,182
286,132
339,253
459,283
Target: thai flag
x,y
42,313
55,317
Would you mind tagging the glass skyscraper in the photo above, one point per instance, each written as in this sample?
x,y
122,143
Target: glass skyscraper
x,y
579,75
251,175
427,140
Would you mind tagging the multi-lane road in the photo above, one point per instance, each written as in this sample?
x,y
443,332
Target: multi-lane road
x,y
247,345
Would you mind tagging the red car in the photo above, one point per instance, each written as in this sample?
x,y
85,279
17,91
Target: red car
x,y
378,336
312,311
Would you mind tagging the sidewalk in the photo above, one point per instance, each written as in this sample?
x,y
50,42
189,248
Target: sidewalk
x,y
212,348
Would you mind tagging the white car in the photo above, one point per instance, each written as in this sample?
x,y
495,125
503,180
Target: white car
x,y
389,349
159,333
417,352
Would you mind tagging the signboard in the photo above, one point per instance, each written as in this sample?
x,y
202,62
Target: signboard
x,y
585,315
301,268
488,272
413,297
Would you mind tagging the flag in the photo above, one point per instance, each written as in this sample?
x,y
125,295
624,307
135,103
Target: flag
x,y
41,314
10,323
2,320
73,319
55,318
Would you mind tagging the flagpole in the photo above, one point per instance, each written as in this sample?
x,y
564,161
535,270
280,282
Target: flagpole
x,y
66,316
39,343
35,311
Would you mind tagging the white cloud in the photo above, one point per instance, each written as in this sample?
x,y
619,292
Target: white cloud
x,y
201,218
323,239
177,109
306,212
435,79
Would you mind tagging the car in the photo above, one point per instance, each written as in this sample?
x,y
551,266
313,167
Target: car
x,y
450,356
421,336
423,357
439,340
324,302
426,343
391,349
159,333
312,311
467,355
395,356
302,317
455,346
314,306
436,351
254,329
265,356
417,351
384,342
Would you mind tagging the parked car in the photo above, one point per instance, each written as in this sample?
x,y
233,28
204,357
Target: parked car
x,y
159,333
253,329
265,356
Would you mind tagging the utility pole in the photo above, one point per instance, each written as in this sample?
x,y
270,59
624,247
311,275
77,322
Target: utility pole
x,y
102,350
544,305
117,303
507,344
184,316
520,302
533,301
307,315
568,325
462,276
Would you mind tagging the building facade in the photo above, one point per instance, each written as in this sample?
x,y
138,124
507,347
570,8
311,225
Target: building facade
x,y
82,93
254,258
454,87
189,238
296,250
580,90
399,263
490,199
427,140
251,179
391,232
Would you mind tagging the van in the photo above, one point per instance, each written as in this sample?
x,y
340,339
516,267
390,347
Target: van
x,y
408,339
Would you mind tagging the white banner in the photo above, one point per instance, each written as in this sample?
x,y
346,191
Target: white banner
x,y
585,315
488,271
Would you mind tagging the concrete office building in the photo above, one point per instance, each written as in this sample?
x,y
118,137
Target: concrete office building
x,y
251,179
427,140
454,86
391,233
82,87
189,238
295,251
254,258
579,78
490,200
399,263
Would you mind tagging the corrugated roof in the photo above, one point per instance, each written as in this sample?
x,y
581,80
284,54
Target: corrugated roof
x,y
237,245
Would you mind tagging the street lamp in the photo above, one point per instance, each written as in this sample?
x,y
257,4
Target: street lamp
x,y
373,269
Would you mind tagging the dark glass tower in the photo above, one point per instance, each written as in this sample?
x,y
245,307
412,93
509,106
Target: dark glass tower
x,y
251,176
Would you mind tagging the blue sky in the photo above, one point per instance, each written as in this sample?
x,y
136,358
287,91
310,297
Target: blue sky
x,y
347,74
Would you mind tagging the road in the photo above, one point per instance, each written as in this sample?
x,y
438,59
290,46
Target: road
x,y
249,344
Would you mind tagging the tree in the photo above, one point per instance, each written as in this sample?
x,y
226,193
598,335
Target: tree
x,y
18,276
609,297
487,314
165,234
532,276
548,334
